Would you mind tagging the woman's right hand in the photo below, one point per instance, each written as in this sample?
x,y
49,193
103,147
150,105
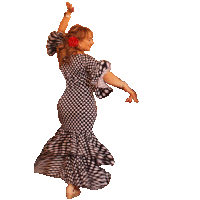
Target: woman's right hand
x,y
69,7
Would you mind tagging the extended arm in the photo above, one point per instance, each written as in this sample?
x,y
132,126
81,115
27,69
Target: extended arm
x,y
113,80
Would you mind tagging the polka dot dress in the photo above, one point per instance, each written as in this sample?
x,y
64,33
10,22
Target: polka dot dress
x,y
74,154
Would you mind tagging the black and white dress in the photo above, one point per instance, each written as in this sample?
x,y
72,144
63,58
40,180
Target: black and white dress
x,y
74,154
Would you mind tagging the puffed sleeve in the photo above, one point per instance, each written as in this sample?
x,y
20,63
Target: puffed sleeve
x,y
54,39
96,70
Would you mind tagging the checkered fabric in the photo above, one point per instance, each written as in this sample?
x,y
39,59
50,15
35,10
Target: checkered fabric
x,y
74,154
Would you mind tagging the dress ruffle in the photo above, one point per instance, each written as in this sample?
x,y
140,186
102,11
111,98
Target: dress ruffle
x,y
97,69
79,153
102,89
54,39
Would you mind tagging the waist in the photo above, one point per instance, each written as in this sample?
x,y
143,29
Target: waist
x,y
79,89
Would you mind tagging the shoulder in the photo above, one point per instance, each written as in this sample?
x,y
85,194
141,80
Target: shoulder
x,y
87,56
89,59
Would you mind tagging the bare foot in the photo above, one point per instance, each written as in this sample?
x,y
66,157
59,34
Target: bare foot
x,y
72,191
77,191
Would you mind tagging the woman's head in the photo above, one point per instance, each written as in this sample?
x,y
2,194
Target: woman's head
x,y
86,43
85,38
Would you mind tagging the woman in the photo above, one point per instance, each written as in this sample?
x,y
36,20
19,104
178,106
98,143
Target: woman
x,y
74,154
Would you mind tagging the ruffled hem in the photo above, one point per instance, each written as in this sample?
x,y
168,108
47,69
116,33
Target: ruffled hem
x,y
76,170
75,157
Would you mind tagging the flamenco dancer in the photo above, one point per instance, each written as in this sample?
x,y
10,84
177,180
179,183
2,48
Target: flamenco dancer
x,y
74,154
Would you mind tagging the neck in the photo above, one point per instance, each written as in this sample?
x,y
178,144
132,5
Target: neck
x,y
80,52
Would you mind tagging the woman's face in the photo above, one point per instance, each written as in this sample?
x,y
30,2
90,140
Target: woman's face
x,y
86,43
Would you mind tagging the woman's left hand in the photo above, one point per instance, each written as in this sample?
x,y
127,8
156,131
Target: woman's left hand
x,y
133,96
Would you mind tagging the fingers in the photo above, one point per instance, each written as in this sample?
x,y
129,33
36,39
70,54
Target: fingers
x,y
130,99
134,97
136,100
68,4
69,7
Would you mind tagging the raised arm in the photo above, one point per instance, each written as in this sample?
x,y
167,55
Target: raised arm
x,y
66,18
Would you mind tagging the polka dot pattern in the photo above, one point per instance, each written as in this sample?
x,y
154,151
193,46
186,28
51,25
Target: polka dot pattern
x,y
74,154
